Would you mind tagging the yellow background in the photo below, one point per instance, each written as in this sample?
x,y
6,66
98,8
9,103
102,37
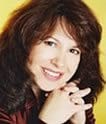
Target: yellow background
x,y
98,7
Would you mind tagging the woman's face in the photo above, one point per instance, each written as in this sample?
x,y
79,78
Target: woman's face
x,y
55,60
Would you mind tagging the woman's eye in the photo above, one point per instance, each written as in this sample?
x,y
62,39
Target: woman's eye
x,y
74,51
50,43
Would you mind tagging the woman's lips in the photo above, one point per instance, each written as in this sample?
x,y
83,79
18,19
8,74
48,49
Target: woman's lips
x,y
51,74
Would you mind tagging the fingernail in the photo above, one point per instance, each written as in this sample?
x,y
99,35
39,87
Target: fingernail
x,y
88,89
76,81
71,84
89,105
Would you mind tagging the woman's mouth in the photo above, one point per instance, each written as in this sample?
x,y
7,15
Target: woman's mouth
x,y
51,74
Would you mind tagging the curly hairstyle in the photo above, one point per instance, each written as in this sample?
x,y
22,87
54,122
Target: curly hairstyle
x,y
34,21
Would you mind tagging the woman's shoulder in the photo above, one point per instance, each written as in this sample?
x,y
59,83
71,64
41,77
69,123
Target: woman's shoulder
x,y
5,117
19,117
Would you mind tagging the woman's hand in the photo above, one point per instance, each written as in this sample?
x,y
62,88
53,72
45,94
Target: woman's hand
x,y
60,106
79,117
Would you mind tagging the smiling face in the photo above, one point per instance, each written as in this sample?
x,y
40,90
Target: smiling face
x,y
55,60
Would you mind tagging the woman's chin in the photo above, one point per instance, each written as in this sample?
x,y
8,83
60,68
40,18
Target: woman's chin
x,y
47,89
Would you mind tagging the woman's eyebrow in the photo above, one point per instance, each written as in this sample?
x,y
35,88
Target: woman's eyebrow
x,y
74,46
53,38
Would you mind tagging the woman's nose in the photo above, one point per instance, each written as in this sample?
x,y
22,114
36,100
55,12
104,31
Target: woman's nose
x,y
58,61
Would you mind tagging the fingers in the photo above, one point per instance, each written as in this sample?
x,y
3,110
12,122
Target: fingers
x,y
81,93
70,88
83,107
78,101
75,95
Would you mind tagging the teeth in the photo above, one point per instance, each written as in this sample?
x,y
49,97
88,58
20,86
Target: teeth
x,y
52,73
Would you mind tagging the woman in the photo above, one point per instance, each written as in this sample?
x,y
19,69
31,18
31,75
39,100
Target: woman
x,y
49,64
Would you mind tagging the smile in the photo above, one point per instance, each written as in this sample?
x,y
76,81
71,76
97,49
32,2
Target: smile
x,y
51,75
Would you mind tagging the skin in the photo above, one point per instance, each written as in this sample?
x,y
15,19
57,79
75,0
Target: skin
x,y
60,107
53,62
